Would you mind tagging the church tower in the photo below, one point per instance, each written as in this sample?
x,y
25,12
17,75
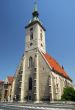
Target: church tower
x,y
35,33
39,76
35,41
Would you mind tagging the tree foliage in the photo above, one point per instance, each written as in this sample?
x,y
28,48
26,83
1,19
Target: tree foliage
x,y
68,94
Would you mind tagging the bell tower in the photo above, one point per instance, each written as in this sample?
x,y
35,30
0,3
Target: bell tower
x,y
35,40
35,32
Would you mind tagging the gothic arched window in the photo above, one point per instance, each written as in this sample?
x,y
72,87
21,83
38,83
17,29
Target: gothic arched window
x,y
31,34
30,62
30,83
41,36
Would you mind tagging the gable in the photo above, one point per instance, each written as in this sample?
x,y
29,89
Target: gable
x,y
55,65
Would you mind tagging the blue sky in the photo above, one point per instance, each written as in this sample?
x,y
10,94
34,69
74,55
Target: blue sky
x,y
58,17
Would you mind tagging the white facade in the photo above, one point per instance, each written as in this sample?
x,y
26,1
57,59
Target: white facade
x,y
35,80
38,40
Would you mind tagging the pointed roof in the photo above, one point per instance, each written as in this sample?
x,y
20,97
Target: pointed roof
x,y
35,18
55,65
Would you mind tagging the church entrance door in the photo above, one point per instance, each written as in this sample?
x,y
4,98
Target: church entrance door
x,y
29,98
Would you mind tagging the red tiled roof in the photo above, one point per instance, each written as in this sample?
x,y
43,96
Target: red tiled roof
x,y
1,82
55,65
10,79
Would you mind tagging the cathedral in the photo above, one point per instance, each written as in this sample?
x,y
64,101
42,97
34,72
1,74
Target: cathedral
x,y
39,77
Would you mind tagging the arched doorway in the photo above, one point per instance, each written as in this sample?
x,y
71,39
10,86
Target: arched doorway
x,y
30,89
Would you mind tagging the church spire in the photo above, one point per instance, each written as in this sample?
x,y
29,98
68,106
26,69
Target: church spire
x,y
35,18
35,6
35,11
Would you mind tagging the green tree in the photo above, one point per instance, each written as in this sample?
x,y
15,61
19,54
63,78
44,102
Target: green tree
x,y
68,94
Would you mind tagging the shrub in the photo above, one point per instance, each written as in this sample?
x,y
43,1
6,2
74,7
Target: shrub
x,y
68,94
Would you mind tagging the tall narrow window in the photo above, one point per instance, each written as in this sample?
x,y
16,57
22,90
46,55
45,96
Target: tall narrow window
x,y
30,62
31,34
41,36
30,83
